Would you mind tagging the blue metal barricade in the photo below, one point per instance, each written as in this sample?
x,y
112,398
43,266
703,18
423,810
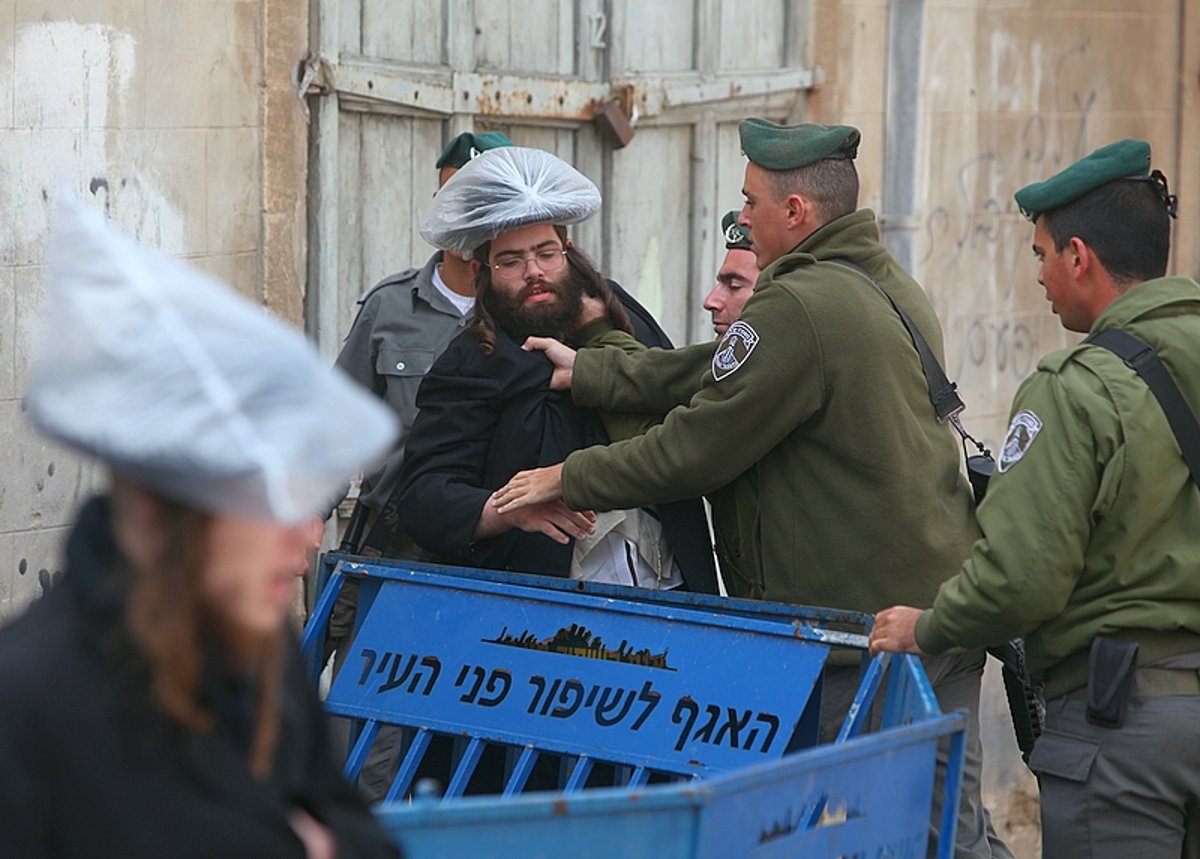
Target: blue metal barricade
x,y
622,688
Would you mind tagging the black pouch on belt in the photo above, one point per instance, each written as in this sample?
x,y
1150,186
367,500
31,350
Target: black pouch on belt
x,y
1111,666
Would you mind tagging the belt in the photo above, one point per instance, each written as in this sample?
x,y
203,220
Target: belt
x,y
1158,683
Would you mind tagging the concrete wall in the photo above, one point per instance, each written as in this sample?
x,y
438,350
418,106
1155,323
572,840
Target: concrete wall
x,y
178,119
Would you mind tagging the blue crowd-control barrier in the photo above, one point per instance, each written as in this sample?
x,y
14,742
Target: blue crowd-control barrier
x,y
603,720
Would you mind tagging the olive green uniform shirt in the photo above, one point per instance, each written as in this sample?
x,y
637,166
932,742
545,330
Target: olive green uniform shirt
x,y
848,491
1093,525
647,388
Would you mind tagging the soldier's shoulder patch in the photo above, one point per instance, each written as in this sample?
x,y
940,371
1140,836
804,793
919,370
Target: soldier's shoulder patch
x,y
1022,431
735,347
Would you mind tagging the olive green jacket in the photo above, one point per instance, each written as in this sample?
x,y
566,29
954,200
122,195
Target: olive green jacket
x,y
1093,528
647,388
847,489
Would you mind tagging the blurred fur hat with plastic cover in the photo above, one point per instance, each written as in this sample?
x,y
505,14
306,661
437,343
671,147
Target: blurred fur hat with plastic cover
x,y
502,189
187,389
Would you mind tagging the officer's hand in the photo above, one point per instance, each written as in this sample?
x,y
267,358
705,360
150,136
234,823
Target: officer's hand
x,y
895,630
560,355
529,487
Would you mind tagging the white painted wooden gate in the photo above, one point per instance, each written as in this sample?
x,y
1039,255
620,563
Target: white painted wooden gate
x,y
401,77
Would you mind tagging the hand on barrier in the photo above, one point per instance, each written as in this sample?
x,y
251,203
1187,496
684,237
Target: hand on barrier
x,y
536,486
560,355
895,630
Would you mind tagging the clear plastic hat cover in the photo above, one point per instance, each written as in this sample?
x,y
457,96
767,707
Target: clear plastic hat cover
x,y
502,189
186,388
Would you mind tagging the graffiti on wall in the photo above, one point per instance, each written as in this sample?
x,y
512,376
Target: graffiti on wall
x,y
975,248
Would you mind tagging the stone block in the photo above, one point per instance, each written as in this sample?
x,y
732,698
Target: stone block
x,y
240,271
154,188
8,31
207,65
26,308
950,61
30,563
283,266
232,189
8,336
43,480
861,84
33,161
870,161
77,69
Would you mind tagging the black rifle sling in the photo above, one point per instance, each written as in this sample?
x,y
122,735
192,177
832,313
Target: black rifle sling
x,y
1140,357
942,392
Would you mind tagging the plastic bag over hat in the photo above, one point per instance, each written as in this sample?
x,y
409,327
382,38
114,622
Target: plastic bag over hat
x,y
506,188
185,388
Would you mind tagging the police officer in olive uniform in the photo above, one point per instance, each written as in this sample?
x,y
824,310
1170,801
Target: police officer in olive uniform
x,y
814,407
1091,528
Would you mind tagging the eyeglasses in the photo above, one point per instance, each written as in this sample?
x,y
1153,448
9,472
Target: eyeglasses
x,y
547,260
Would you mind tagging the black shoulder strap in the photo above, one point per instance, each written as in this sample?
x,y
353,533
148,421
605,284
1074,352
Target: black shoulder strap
x,y
942,392
1140,356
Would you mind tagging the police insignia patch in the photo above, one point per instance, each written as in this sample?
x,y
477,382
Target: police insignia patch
x,y
1021,432
735,347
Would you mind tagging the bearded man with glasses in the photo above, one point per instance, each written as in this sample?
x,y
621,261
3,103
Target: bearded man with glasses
x,y
486,408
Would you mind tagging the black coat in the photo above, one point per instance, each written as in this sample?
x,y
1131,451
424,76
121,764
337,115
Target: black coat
x,y
481,420
89,768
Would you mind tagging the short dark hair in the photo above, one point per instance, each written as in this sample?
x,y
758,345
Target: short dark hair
x,y
831,185
1126,225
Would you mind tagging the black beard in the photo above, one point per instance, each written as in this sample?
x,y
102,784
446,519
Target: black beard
x,y
555,320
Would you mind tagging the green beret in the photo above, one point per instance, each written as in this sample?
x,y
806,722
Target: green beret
x,y
737,237
467,145
786,147
1125,159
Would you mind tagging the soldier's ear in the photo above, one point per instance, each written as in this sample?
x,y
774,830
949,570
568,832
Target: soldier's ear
x,y
1079,256
476,265
796,208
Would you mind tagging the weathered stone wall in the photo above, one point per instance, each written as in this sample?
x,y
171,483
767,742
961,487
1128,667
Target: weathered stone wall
x,y
180,120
